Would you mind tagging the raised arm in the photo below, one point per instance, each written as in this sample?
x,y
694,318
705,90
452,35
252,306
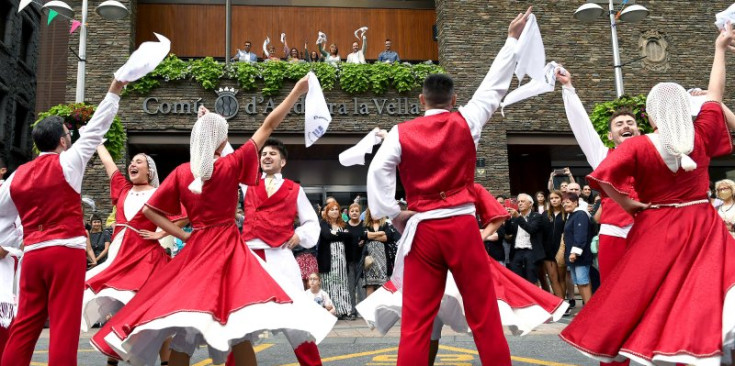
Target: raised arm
x,y
277,115
584,132
381,177
106,159
364,44
496,83
717,76
74,160
322,51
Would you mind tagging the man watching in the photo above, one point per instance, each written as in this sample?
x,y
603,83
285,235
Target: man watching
x,y
577,190
528,249
245,55
388,56
358,53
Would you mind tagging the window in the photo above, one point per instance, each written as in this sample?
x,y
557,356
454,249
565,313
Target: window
x,y
26,41
21,126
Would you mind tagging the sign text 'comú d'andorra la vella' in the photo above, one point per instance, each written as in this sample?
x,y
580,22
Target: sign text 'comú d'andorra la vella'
x,y
228,105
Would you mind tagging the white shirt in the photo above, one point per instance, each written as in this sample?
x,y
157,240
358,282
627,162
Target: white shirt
x,y
308,230
592,146
381,179
134,201
73,163
523,238
359,56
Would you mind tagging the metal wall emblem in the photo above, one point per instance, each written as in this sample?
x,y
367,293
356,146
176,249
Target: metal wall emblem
x,y
226,104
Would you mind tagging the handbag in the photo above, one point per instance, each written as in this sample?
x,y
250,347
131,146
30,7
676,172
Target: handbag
x,y
368,262
560,261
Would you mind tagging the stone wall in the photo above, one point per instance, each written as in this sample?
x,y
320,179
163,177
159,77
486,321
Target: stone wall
x,y
18,57
470,32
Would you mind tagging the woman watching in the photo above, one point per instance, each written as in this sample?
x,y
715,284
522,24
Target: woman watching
x,y
332,259
556,218
374,258
725,190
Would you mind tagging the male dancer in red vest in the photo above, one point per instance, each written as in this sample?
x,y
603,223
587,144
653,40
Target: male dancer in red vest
x,y
615,222
45,193
435,155
268,229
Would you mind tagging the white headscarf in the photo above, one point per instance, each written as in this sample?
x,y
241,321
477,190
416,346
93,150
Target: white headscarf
x,y
152,171
669,106
209,132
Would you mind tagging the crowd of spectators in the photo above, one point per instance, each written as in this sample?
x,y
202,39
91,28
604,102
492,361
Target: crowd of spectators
x,y
330,55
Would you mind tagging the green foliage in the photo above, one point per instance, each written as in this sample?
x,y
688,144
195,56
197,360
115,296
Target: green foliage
x,y
326,73
207,72
603,111
355,78
377,77
296,70
381,77
76,115
403,78
172,68
273,74
246,74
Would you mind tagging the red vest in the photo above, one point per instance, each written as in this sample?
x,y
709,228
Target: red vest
x,y
612,213
437,161
49,208
270,219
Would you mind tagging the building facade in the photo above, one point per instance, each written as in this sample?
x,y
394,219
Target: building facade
x,y
19,40
517,151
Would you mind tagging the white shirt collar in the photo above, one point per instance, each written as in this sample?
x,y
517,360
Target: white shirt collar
x,y
278,176
432,112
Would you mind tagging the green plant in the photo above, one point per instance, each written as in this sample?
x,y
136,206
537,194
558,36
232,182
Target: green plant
x,y
246,74
172,68
296,70
403,78
76,115
273,73
142,86
326,73
377,77
602,112
381,77
355,78
207,72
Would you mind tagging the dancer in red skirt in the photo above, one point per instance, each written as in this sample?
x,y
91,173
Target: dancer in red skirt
x,y
135,254
670,299
523,306
215,292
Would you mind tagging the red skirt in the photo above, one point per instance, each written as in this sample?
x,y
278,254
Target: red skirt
x,y
131,261
215,292
670,299
523,306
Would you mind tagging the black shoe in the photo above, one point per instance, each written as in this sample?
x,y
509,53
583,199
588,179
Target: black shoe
x,y
572,303
568,312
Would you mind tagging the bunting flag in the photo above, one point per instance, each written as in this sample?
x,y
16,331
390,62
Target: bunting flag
x,y
23,4
51,15
74,25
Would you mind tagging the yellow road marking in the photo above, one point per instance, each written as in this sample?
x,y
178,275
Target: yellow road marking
x,y
351,355
514,358
38,364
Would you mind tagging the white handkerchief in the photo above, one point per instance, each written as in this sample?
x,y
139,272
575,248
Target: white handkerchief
x,y
356,154
283,37
265,46
322,38
530,52
532,88
360,30
23,4
724,16
316,115
144,59
696,103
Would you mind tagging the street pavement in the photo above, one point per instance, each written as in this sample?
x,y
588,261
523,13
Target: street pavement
x,y
352,343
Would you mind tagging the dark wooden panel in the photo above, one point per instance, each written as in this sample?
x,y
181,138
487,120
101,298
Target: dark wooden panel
x,y
198,30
